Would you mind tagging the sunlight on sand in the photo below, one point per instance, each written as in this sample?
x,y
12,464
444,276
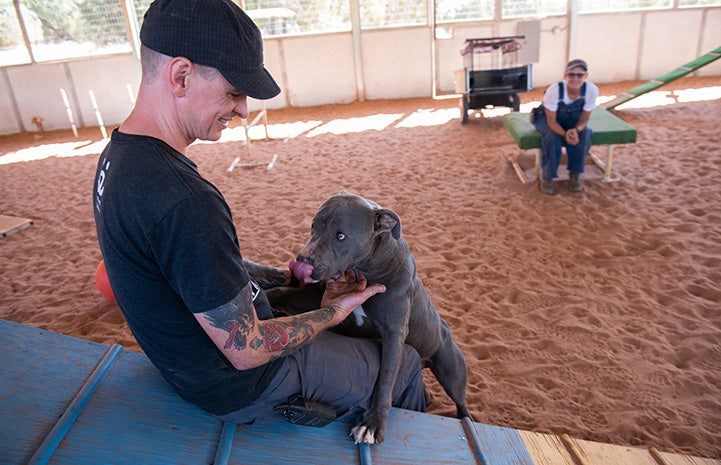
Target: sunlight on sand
x,y
429,117
659,98
65,149
377,122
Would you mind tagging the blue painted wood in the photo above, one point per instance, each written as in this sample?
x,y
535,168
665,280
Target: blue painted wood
x,y
39,377
52,440
225,445
502,446
470,429
415,438
134,417
365,454
284,442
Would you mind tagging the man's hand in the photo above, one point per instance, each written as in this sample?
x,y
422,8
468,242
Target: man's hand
x,y
348,292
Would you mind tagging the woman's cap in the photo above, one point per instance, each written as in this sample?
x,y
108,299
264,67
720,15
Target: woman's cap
x,y
215,33
577,64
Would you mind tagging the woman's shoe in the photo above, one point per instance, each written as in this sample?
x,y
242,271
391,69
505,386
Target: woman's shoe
x,y
574,182
548,186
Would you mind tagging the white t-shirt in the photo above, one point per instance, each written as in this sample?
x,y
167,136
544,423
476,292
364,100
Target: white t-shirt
x,y
550,98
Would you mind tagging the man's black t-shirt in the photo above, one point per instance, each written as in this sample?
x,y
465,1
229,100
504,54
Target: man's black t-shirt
x,y
170,250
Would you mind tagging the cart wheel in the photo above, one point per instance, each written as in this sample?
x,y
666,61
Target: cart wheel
x,y
516,102
464,109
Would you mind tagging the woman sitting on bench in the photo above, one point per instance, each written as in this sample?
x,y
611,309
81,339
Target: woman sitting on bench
x,y
564,112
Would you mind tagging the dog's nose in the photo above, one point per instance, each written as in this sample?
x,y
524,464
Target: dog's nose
x,y
304,259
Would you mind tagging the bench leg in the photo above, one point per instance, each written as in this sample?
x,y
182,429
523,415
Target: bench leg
x,y
605,166
517,168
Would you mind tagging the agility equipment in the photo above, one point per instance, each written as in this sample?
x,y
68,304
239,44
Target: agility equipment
x,y
12,224
64,397
251,163
608,129
664,79
97,115
69,111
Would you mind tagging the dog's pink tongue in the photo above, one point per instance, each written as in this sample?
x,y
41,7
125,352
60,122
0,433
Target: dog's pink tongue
x,y
301,271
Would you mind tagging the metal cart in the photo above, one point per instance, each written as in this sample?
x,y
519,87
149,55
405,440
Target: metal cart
x,y
491,75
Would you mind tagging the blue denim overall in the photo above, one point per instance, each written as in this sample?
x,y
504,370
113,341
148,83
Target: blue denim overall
x,y
567,116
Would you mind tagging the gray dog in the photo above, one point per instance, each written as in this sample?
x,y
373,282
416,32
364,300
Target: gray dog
x,y
350,232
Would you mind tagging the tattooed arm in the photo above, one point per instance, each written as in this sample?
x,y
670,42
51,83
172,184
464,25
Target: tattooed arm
x,y
248,342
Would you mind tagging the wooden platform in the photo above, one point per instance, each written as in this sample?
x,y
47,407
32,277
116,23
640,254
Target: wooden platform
x,y
12,224
608,129
65,400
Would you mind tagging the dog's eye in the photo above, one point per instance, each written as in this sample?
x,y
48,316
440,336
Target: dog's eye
x,y
340,236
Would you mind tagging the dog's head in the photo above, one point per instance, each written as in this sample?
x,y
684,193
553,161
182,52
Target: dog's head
x,y
346,230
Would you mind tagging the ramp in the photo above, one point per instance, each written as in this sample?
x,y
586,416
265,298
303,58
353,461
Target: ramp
x,y
654,84
67,401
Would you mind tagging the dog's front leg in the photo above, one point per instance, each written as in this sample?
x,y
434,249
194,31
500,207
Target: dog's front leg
x,y
372,428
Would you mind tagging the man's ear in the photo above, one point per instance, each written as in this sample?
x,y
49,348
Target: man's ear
x,y
180,68
387,220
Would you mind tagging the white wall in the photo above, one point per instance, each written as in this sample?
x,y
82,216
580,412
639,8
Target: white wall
x,y
319,70
711,38
621,38
9,121
36,89
396,63
109,79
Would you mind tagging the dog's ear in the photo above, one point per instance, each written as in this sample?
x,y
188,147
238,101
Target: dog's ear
x,y
387,220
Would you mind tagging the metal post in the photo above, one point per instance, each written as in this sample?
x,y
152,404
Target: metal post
x,y
97,114
572,28
69,111
357,49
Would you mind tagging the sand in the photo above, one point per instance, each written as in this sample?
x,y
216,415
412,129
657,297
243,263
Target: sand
x,y
595,314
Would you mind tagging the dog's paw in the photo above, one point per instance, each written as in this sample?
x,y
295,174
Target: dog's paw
x,y
361,434
371,430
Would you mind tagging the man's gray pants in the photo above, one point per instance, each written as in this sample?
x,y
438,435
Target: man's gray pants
x,y
339,371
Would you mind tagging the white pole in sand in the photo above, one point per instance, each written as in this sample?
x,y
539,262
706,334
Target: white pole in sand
x,y
130,94
69,111
97,115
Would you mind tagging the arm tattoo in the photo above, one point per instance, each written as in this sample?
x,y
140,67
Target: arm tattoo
x,y
236,318
291,333
280,335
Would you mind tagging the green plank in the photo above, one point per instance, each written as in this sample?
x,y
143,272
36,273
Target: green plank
x,y
607,129
664,79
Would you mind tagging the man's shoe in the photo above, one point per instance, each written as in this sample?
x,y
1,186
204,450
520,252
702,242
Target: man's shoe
x,y
574,182
548,186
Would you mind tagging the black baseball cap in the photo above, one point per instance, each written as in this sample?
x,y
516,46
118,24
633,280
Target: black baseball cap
x,y
215,33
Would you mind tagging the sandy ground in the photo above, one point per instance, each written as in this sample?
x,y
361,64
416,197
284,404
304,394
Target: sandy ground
x,y
595,314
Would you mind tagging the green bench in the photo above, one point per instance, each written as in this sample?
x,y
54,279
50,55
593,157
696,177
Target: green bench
x,y
608,129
